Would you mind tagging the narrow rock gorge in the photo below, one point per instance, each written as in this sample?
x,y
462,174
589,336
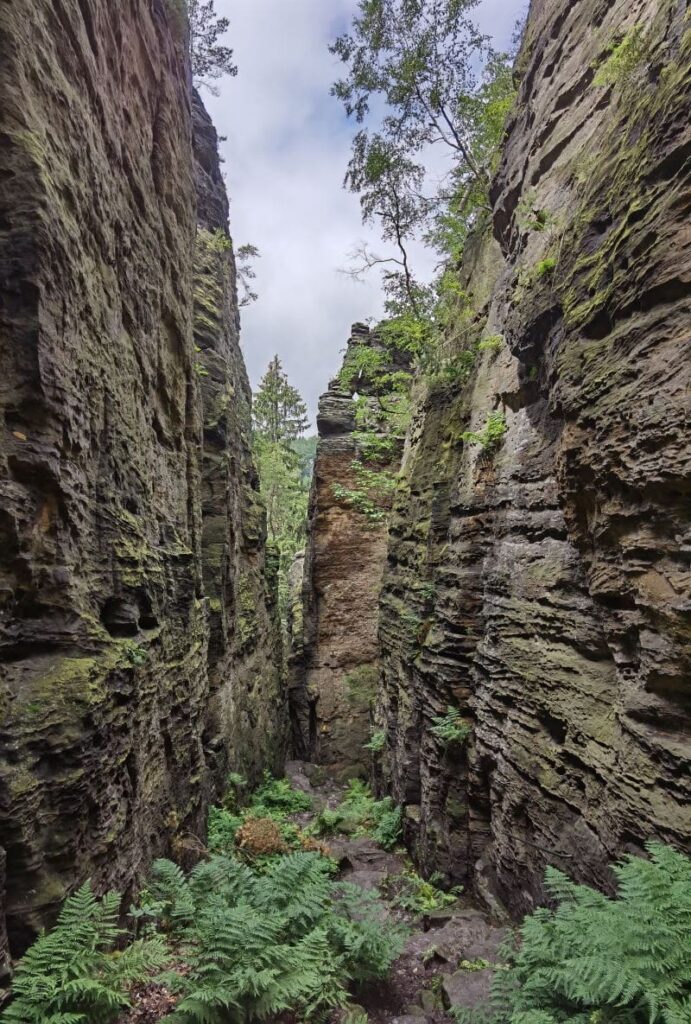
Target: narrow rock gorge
x,y
537,579
526,576
139,644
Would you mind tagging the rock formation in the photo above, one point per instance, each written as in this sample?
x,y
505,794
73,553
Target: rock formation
x,y
136,628
343,571
547,567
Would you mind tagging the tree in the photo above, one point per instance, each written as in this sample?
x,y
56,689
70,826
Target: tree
x,y
210,60
246,272
418,59
279,413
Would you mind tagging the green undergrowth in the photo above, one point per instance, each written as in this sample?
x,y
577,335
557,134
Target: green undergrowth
x,y
360,814
258,928
596,960
418,895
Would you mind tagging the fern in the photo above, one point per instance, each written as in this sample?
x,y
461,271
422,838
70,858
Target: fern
x,y
593,959
261,944
74,974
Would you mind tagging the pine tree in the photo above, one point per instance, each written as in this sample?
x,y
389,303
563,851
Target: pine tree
x,y
280,415
210,60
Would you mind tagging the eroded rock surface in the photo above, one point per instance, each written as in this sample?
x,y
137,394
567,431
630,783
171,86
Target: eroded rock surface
x,y
343,571
114,621
556,605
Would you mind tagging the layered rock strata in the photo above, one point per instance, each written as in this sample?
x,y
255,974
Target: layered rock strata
x,y
538,583
343,569
116,622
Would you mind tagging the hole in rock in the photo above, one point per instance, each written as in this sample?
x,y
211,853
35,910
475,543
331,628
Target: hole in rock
x,y
120,617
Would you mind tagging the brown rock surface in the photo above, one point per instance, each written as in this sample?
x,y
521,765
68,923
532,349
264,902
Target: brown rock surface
x,y
343,570
104,617
556,566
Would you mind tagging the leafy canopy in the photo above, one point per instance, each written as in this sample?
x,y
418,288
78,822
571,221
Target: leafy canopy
x,y
417,60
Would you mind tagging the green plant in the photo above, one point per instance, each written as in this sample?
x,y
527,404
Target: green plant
x,y
545,267
260,944
451,728
276,798
594,959
491,435
491,344
625,60
75,973
377,741
418,896
222,829
359,813
136,654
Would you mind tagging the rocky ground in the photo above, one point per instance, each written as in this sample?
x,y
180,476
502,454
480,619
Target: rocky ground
x,y
447,958
428,977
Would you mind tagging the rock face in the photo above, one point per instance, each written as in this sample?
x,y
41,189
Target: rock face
x,y
547,572
343,571
135,618
247,720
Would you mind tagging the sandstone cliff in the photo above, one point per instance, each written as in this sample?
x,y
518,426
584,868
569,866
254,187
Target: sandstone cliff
x,y
343,569
556,591
136,629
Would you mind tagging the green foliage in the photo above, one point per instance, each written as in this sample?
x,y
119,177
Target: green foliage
x,y
136,654
75,974
377,741
491,344
420,896
451,728
276,798
284,461
222,828
411,79
593,959
546,267
360,814
625,61
371,496
246,273
491,435
278,412
210,59
363,364
259,944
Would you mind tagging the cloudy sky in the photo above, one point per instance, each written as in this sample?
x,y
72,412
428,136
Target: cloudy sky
x,y
287,148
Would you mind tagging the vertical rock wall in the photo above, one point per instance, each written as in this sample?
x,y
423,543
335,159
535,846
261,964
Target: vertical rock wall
x,y
557,587
247,724
106,491
343,570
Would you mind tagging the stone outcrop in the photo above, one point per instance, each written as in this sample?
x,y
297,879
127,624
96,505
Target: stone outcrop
x,y
539,583
343,570
136,620
246,727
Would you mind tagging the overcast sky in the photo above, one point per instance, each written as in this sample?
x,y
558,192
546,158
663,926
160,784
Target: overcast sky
x,y
286,152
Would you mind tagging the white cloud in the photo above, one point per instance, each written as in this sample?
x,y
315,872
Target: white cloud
x,y
286,152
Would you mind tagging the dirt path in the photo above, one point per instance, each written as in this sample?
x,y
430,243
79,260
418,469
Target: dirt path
x,y
428,977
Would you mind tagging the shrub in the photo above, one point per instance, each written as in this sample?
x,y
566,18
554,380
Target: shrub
x,y
595,959
260,837
451,728
73,974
